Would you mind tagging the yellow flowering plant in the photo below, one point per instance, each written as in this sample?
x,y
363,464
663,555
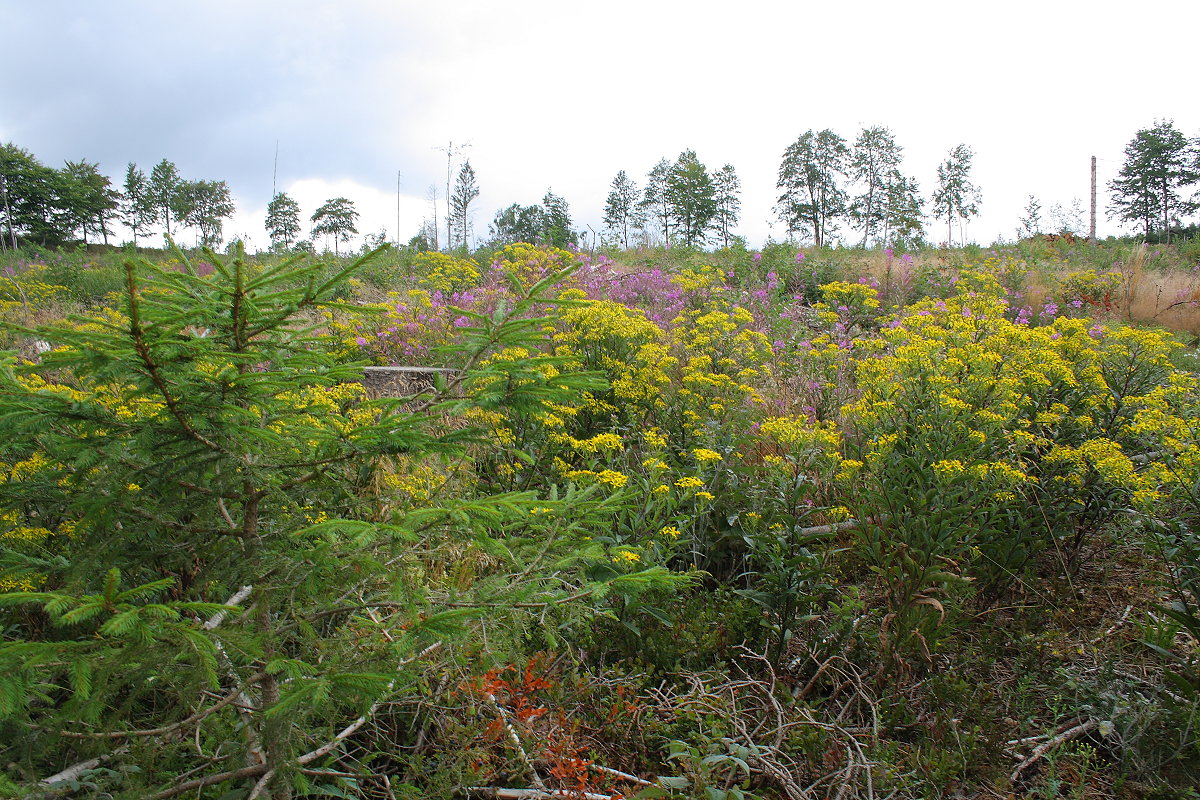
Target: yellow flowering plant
x,y
965,420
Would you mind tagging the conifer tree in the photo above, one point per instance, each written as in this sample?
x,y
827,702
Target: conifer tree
x,y
466,189
1160,163
203,551
556,221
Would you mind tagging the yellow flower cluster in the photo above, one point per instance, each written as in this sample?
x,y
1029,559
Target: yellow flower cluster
x,y
607,477
530,263
600,443
619,341
1061,401
852,296
445,273
695,279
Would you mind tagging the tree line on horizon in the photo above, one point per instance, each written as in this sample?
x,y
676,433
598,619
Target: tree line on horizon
x,y
824,183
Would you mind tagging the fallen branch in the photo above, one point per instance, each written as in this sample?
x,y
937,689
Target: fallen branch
x,y
75,770
349,730
1041,737
199,783
516,740
535,794
1050,744
616,773
199,715
833,527
1117,624
261,785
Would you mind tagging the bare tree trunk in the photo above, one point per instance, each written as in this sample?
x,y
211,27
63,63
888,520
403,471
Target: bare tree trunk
x,y
1092,224
449,214
1166,211
12,237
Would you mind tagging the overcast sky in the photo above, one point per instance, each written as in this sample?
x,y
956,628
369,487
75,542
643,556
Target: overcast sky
x,y
559,94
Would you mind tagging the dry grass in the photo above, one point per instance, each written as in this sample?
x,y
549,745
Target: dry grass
x,y
1169,299
1148,295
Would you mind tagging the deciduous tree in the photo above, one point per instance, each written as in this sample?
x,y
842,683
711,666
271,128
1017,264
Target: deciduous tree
x,y
165,194
137,212
336,218
655,205
90,200
874,156
209,203
283,221
727,186
32,198
1069,219
955,195
1031,223
691,197
517,223
621,212
904,215
810,181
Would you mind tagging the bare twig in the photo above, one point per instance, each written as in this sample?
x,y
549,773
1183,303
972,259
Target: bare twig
x,y
236,600
350,729
516,740
534,794
75,770
1027,740
208,780
616,773
1047,746
261,785
1117,624
183,723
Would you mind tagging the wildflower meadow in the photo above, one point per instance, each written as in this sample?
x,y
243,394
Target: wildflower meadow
x,y
789,523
